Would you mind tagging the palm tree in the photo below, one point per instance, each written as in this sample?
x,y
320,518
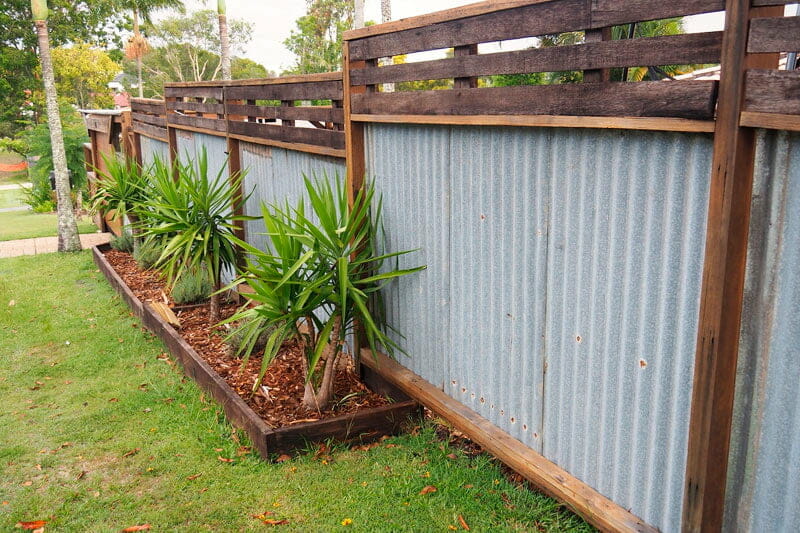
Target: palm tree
x,y
68,240
137,46
386,10
225,46
358,18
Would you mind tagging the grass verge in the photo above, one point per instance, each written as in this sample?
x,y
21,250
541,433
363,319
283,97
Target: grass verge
x,y
28,225
12,198
99,431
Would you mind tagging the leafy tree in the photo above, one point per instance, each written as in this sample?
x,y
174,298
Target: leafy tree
x,y
96,22
317,40
137,45
82,75
224,41
421,85
243,69
185,49
68,240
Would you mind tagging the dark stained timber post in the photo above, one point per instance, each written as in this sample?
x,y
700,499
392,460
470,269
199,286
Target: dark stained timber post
x,y
723,280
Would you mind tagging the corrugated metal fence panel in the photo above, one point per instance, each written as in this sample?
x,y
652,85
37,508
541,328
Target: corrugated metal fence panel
x,y
626,245
764,473
216,150
185,145
275,175
500,180
411,169
152,148
578,251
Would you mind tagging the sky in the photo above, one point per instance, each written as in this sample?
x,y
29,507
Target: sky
x,y
274,21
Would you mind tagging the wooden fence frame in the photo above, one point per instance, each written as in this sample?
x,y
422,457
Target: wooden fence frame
x,y
751,94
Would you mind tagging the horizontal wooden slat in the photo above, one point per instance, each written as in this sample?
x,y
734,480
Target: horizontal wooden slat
x,y
198,122
538,18
317,113
197,106
302,78
771,121
151,131
606,10
193,92
680,99
326,90
290,134
153,107
774,34
149,119
549,121
299,147
759,3
671,50
772,91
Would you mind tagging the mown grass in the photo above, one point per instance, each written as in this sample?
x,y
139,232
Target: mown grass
x,y
28,225
98,433
12,198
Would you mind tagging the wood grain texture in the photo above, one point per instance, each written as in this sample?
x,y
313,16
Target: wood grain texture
x,y
549,121
684,99
289,134
153,132
298,147
211,124
194,91
774,34
773,91
324,90
155,120
146,105
606,10
722,289
770,121
196,106
319,113
669,50
553,480
759,3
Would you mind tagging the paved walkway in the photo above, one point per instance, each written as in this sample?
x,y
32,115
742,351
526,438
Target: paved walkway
x,y
45,245
12,186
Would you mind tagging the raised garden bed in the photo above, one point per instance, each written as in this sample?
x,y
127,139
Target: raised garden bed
x,y
362,425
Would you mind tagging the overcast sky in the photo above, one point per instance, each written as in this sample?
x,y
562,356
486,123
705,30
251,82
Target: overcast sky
x,y
274,20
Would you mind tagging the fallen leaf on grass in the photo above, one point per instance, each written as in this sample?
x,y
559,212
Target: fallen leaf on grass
x,y
463,522
192,478
12,303
283,458
27,483
36,524
452,456
143,527
428,489
225,459
113,400
132,452
272,522
81,475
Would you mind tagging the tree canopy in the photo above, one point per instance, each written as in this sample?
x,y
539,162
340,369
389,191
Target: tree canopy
x,y
317,40
82,75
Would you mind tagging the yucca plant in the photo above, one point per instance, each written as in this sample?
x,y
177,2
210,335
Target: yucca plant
x,y
122,187
320,275
193,215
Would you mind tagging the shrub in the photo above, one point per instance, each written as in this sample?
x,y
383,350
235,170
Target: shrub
x,y
147,254
193,286
123,243
329,269
240,336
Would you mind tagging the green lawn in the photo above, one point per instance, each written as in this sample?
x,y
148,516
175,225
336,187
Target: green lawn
x,y
27,225
98,433
12,198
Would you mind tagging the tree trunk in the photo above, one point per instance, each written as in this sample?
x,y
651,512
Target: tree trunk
x,y
319,400
386,16
358,18
135,232
225,45
137,33
213,307
68,240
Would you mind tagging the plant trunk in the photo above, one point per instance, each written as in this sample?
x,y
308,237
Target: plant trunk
x,y
358,19
137,33
320,399
386,16
213,309
68,240
225,46
135,232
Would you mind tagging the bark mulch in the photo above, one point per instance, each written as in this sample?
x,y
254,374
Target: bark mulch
x,y
278,401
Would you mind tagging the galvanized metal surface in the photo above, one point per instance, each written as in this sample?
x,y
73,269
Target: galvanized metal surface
x,y
152,148
764,466
575,251
275,175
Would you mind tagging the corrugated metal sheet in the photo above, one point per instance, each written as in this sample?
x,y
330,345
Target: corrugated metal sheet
x,y
764,472
575,251
411,169
276,175
152,148
626,243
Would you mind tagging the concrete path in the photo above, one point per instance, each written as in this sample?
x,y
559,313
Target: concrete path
x,y
12,186
18,208
45,245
